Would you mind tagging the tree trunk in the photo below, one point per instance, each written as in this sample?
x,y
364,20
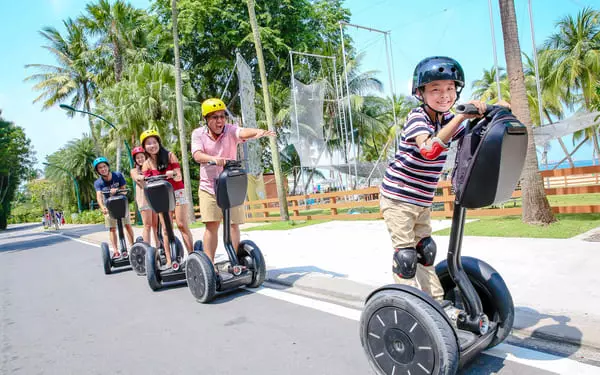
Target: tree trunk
x,y
536,209
118,141
283,208
596,147
180,118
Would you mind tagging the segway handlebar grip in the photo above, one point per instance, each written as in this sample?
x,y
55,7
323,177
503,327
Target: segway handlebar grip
x,y
470,109
155,178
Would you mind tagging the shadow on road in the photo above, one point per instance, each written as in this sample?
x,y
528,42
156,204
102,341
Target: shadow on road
x,y
14,228
290,275
32,244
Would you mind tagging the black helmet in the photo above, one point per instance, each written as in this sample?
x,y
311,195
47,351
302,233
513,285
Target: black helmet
x,y
438,68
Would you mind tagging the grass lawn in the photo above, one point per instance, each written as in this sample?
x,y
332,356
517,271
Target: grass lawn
x,y
284,225
568,225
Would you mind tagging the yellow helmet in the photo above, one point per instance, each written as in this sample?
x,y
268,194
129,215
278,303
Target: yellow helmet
x,y
212,105
149,133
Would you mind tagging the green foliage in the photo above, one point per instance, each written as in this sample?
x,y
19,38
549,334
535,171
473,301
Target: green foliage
x,y
17,160
87,217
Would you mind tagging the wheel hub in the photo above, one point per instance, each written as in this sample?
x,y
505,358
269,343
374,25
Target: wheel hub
x,y
399,343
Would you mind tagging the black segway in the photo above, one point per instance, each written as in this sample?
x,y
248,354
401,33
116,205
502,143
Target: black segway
x,y
117,208
246,266
137,254
405,331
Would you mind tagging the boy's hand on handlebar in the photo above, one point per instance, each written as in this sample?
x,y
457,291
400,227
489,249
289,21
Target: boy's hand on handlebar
x,y
113,191
481,107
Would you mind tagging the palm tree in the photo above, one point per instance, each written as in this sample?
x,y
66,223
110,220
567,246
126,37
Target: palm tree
x,y
573,53
145,98
118,27
76,157
72,77
486,88
536,209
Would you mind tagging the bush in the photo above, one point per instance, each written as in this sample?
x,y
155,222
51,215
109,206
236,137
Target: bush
x,y
86,217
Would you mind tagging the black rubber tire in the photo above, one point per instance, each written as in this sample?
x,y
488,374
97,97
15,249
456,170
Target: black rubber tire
x,y
496,299
417,321
198,247
137,258
250,256
201,277
152,271
139,239
106,260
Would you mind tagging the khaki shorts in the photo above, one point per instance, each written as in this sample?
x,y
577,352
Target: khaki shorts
x,y
209,211
407,223
109,222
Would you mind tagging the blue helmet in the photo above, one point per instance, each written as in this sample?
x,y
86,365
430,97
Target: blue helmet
x,y
99,160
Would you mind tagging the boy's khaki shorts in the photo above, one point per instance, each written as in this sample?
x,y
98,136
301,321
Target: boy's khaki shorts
x,y
209,211
109,222
408,224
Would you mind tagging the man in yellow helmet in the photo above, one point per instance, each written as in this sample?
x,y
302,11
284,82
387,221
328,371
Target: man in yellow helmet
x,y
217,142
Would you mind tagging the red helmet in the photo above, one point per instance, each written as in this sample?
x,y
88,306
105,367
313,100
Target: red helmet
x,y
137,150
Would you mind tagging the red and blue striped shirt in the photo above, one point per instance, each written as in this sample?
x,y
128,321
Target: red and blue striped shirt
x,y
410,177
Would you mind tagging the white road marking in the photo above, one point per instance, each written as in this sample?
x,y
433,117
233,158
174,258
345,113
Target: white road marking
x,y
509,352
541,360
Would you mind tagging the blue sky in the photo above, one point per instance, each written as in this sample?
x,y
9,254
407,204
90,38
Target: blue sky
x,y
460,29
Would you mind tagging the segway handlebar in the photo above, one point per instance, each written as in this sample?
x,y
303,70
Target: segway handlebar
x,y
156,178
228,163
119,191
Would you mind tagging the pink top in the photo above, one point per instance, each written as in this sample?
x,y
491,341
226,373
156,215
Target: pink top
x,y
224,147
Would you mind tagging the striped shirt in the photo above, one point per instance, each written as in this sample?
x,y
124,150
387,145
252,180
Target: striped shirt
x,y
410,177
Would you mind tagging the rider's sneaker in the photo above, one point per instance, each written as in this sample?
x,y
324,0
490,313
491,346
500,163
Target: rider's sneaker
x,y
125,255
116,255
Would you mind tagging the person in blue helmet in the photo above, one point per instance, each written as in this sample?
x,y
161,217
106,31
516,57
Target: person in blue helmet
x,y
111,182
411,179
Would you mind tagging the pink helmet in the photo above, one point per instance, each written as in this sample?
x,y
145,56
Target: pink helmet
x,y
137,150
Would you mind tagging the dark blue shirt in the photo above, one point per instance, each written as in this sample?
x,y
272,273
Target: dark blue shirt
x,y
117,180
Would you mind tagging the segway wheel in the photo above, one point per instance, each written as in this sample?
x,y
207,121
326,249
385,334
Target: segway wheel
x,y
139,239
198,248
403,334
106,261
152,272
137,258
250,256
495,297
201,277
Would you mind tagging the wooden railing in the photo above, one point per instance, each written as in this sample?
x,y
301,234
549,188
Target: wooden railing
x,y
364,203
333,205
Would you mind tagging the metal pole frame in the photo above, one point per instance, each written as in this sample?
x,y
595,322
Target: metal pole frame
x,y
349,102
494,50
537,74
296,116
389,60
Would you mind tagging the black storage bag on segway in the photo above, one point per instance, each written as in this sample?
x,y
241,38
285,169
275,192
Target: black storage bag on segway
x,y
489,159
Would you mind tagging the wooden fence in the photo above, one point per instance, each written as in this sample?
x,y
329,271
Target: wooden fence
x,y
364,203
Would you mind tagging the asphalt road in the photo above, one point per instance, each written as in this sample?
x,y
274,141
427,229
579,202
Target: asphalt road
x,y
59,314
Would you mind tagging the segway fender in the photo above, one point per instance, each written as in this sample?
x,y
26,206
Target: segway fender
x,y
417,293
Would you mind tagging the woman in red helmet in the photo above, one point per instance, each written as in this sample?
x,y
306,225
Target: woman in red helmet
x,y
149,218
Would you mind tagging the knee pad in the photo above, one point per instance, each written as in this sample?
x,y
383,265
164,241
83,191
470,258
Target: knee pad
x,y
405,263
426,250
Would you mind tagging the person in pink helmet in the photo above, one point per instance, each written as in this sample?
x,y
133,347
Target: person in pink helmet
x,y
149,218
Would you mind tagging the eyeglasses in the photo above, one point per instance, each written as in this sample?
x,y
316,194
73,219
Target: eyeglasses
x,y
217,117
